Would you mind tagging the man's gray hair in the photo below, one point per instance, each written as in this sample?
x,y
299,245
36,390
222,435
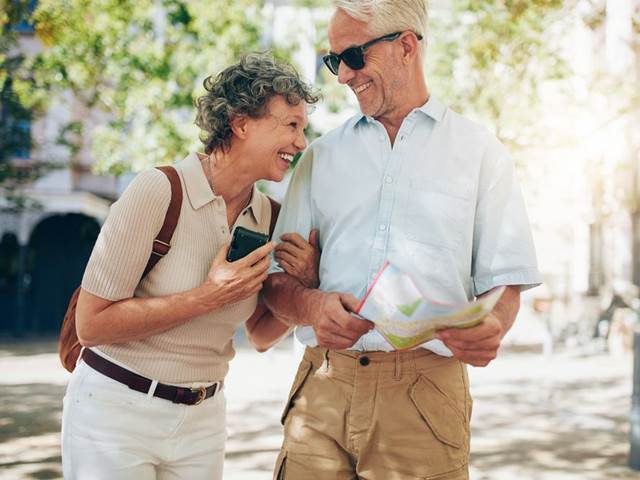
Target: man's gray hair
x,y
388,16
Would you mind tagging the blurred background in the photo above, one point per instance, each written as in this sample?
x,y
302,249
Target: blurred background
x,y
93,91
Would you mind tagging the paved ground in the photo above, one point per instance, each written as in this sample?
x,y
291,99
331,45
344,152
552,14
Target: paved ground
x,y
563,417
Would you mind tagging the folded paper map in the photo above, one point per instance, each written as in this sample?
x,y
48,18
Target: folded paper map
x,y
407,319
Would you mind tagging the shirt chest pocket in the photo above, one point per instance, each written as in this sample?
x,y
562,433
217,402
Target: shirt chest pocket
x,y
438,213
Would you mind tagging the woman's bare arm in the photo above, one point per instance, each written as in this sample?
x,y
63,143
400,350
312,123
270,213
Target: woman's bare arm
x,y
100,321
264,330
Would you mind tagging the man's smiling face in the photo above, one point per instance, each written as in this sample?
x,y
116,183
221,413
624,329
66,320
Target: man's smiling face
x,y
377,84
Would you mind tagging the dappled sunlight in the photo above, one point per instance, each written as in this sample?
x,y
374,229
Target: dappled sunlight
x,y
563,417
559,417
29,431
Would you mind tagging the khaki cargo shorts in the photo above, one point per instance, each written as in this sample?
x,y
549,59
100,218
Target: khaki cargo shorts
x,y
376,416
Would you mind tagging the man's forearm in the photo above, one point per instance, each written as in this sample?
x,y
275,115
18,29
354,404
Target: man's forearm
x,y
288,299
507,307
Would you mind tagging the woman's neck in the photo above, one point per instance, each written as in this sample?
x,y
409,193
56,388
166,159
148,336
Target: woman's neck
x,y
229,176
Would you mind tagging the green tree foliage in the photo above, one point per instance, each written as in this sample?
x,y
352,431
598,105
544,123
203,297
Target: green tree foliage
x,y
142,62
15,110
490,58
12,13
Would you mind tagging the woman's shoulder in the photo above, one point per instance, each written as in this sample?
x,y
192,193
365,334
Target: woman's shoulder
x,y
149,186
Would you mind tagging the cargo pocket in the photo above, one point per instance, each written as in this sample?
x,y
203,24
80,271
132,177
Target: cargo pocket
x,y
298,381
281,465
443,417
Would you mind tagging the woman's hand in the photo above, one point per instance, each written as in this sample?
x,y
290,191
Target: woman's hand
x,y
299,258
231,282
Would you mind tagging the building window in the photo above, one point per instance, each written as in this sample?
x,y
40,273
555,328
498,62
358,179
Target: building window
x,y
26,25
15,125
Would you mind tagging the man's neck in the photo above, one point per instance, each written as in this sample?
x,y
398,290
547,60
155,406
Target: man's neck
x,y
392,120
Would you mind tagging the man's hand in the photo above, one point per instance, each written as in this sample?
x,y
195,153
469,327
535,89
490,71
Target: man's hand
x,y
478,345
329,314
299,258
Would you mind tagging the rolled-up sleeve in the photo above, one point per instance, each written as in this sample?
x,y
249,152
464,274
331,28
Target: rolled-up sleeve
x,y
122,249
503,250
295,214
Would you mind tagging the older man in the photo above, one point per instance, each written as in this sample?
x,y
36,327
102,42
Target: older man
x,y
411,181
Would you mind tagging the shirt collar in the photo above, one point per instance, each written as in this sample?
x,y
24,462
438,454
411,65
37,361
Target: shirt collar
x,y
199,191
255,205
432,108
195,181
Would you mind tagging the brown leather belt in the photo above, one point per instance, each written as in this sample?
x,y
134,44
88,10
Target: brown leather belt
x,y
184,395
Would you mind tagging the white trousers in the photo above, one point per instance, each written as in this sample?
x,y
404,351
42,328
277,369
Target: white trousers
x,y
111,432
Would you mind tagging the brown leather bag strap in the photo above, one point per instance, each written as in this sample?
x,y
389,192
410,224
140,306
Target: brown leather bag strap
x,y
275,210
162,243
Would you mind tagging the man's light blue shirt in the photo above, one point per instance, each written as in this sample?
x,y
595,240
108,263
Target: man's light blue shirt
x,y
442,204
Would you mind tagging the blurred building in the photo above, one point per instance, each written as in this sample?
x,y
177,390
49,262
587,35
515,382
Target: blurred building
x,y
580,181
43,251
613,149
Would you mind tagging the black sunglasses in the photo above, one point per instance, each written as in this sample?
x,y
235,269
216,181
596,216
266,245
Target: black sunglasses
x,y
353,57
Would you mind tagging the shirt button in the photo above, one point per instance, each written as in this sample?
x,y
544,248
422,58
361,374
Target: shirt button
x,y
382,226
388,179
364,361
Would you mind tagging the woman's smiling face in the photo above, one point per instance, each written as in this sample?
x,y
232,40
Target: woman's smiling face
x,y
275,138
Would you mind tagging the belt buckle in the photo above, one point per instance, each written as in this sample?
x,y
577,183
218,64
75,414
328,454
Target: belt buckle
x,y
202,394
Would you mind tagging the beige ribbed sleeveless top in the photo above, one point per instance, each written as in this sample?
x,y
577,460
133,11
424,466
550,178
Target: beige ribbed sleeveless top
x,y
200,349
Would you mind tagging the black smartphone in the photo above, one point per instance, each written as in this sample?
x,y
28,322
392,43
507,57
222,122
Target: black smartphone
x,y
243,242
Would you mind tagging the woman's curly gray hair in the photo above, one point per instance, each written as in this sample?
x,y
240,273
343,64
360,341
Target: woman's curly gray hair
x,y
245,88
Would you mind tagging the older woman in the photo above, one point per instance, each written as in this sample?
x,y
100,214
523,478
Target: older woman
x,y
172,331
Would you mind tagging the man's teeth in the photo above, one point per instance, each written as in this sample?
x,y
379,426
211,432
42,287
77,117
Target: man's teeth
x,y
362,88
286,157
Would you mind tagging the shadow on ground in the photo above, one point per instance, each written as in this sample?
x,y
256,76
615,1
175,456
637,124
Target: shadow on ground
x,y
558,429
29,431
563,418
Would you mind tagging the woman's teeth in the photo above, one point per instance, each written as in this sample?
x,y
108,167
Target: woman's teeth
x,y
286,157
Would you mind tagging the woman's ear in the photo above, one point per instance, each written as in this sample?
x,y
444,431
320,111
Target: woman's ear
x,y
240,126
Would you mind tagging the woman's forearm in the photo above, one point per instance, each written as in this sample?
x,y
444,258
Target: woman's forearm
x,y
100,321
264,330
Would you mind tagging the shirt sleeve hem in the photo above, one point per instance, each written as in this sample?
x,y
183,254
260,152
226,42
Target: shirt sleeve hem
x,y
110,296
275,268
526,279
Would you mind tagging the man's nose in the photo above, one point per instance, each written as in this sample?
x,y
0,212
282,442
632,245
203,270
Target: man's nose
x,y
345,73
